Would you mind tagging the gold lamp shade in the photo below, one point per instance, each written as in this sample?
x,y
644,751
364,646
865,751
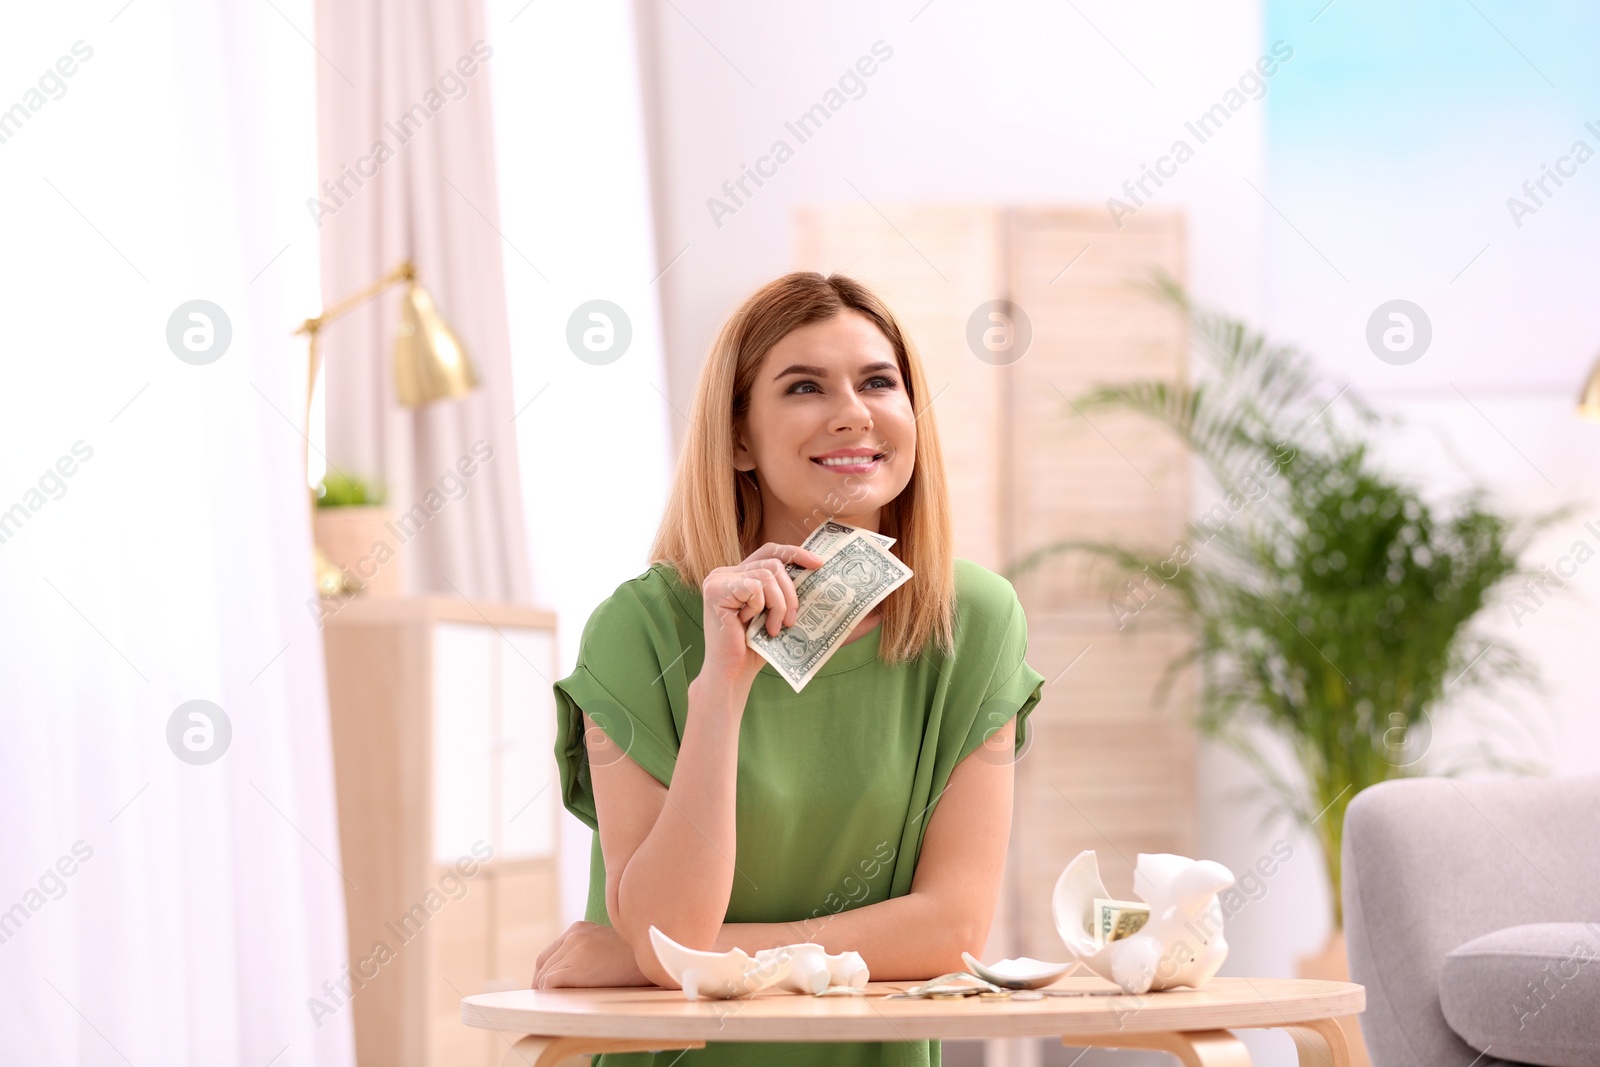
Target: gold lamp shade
x,y
1589,399
430,362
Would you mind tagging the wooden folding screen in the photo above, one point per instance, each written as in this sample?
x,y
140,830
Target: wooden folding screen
x,y
1106,768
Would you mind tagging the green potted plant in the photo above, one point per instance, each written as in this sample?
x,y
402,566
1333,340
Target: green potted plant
x,y
1334,607
351,533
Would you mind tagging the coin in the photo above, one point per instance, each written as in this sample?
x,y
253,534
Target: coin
x,y
1027,995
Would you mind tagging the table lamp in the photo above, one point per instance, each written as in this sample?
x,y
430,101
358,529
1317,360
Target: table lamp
x,y
430,363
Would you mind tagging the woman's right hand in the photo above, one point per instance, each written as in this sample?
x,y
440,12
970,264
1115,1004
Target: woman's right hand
x,y
735,595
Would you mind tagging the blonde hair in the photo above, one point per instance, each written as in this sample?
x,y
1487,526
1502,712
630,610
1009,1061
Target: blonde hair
x,y
713,516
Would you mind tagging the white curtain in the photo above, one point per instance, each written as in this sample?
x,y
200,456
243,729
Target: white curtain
x,y
594,437
155,545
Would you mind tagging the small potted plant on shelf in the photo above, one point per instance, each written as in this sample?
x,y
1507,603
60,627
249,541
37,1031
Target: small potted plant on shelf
x,y
351,534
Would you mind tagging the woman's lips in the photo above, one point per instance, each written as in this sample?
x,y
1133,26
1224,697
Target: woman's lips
x,y
854,466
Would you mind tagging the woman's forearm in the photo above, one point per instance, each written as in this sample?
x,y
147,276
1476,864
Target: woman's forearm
x,y
681,876
910,937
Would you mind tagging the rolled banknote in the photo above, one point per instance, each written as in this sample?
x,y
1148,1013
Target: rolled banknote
x,y
856,574
1117,919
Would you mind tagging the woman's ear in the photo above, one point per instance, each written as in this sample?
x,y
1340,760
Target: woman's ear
x,y
742,460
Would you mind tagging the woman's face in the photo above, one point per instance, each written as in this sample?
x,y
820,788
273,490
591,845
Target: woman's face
x,y
828,390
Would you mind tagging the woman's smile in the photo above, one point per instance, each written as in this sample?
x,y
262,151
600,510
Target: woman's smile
x,y
850,460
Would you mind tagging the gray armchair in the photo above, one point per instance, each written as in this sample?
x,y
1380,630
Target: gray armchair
x,y
1472,916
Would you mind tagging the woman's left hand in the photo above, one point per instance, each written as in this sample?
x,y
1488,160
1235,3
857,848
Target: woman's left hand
x,y
588,954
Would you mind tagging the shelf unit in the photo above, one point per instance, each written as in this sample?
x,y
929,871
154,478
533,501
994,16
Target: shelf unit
x,y
443,735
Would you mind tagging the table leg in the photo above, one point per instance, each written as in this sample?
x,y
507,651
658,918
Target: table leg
x,y
1320,1043
1193,1048
536,1051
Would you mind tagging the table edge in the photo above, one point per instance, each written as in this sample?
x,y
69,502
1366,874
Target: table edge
x,y
1344,999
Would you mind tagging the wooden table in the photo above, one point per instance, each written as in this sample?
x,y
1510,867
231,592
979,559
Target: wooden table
x,y
541,1028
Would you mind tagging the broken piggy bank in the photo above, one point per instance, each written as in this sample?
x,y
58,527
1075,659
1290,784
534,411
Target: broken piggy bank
x,y
1181,944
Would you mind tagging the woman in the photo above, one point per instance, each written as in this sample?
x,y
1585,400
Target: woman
x,y
868,812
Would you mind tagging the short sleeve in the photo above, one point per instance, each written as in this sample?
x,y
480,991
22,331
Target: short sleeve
x,y
1014,688
624,679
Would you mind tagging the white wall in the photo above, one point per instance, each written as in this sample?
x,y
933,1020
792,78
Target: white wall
x,y
999,102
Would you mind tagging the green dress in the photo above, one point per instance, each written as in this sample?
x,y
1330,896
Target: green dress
x,y
836,783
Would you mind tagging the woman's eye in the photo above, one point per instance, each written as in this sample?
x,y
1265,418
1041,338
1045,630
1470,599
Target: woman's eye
x,y
794,390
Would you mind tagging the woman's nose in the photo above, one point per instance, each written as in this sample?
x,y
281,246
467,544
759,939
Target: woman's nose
x,y
852,413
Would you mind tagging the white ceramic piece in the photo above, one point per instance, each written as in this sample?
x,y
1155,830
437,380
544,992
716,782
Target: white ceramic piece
x,y
812,970
718,975
800,968
1181,944
1024,972
848,968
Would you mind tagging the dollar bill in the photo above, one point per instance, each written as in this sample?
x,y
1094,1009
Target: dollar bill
x,y
829,534
856,574
822,540
1117,919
